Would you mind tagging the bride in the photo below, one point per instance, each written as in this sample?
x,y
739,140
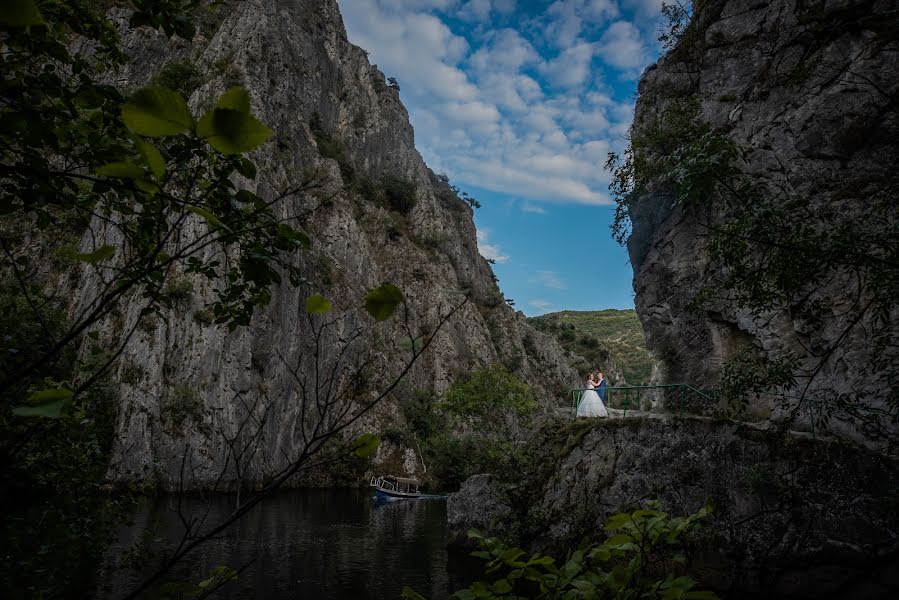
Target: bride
x,y
591,405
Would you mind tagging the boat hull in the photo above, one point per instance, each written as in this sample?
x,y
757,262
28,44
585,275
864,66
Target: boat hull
x,y
392,495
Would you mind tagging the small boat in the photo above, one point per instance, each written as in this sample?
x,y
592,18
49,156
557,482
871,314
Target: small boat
x,y
390,487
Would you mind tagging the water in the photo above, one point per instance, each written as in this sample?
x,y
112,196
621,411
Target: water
x,y
310,544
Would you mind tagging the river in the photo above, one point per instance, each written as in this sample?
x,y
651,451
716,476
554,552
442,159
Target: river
x,y
330,544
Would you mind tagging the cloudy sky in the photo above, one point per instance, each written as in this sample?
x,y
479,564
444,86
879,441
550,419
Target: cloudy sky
x,y
519,102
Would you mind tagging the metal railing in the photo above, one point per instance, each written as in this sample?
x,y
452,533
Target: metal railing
x,y
630,396
687,398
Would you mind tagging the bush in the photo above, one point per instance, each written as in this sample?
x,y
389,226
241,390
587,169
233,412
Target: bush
x,y
183,76
183,403
490,393
400,193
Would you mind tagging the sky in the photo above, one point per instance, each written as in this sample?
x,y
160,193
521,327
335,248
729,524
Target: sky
x,y
519,102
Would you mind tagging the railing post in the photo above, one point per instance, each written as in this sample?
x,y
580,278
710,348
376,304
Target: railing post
x,y
682,393
639,406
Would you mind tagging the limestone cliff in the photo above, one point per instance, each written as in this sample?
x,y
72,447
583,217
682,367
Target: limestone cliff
x,y
807,91
792,518
184,386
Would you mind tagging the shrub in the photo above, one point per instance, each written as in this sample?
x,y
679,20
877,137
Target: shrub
x,y
400,193
183,403
183,76
490,393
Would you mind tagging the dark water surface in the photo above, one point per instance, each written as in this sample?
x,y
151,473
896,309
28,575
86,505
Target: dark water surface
x,y
309,544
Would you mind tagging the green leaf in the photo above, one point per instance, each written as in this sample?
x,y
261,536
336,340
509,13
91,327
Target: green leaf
x,y
411,594
98,255
232,131
247,168
382,301
317,305
617,521
21,13
618,540
47,403
214,220
152,156
365,445
156,112
123,169
235,98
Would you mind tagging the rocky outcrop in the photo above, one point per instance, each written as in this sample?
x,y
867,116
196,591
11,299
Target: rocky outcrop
x,y
315,90
807,90
792,517
479,504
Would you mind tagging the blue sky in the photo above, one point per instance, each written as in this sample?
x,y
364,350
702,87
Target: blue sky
x,y
519,102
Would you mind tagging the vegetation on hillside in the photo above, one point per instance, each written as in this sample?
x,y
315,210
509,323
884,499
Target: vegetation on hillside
x,y
595,335
474,428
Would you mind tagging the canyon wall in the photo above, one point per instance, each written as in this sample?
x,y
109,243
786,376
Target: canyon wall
x,y
188,391
807,91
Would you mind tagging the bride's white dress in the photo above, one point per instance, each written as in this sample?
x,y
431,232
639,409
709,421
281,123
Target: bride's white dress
x,y
591,404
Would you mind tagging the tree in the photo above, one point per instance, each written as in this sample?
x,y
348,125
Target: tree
x,y
140,197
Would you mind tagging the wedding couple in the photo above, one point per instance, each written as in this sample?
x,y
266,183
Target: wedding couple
x,y
591,404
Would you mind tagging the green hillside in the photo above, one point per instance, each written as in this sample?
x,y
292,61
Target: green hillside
x,y
618,330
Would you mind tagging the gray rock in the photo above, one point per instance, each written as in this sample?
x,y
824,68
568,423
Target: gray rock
x,y
809,90
792,517
294,59
479,504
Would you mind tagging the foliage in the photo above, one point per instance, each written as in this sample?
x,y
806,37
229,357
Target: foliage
x,y
604,333
400,193
491,394
182,76
492,402
331,147
56,515
470,200
641,558
749,373
183,403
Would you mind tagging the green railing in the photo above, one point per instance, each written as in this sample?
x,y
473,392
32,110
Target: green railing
x,y
687,398
629,397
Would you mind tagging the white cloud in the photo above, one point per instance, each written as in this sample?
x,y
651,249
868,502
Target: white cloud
x,y
487,110
549,279
566,20
541,305
530,207
572,66
475,10
488,250
621,46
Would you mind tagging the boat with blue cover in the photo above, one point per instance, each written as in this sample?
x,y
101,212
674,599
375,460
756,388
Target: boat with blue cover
x,y
389,487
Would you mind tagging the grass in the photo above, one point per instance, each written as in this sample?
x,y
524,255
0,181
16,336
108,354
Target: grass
x,y
619,331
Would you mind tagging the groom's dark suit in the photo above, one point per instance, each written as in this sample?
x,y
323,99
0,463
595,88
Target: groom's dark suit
x,y
601,389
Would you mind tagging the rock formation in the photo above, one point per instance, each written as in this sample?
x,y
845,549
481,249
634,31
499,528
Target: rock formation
x,y
184,386
808,91
792,518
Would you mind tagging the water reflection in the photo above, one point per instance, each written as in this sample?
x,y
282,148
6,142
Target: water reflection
x,y
311,544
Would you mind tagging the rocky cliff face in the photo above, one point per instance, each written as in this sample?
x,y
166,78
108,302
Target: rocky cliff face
x,y
808,91
792,518
186,387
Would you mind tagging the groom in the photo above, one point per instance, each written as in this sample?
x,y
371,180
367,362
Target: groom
x,y
601,386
